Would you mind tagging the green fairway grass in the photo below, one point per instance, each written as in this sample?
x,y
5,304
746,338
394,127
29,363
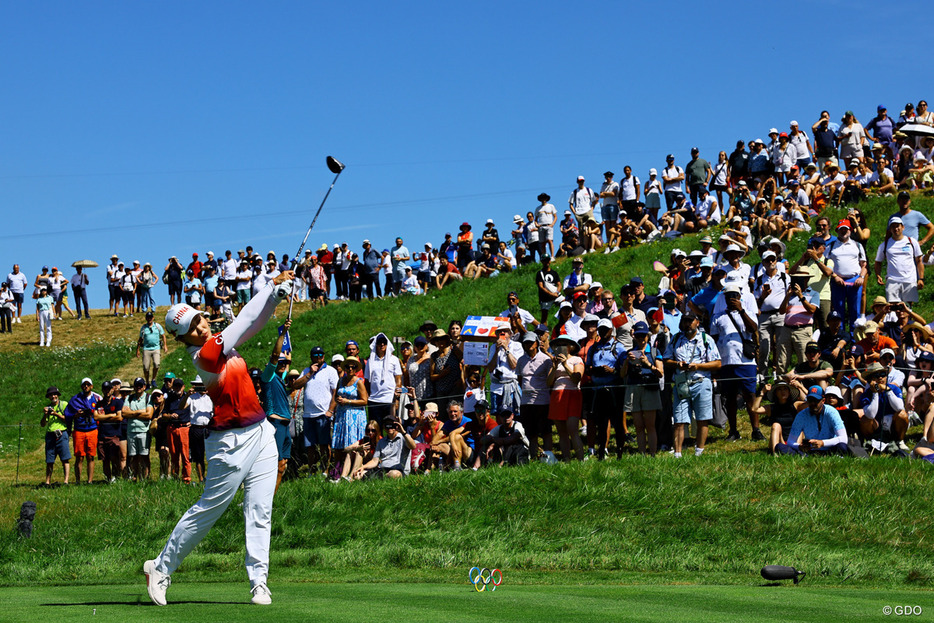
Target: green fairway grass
x,y
455,602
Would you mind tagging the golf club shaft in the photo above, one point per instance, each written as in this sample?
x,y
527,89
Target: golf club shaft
x,y
297,256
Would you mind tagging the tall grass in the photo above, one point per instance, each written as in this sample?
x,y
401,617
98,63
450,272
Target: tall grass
x,y
716,519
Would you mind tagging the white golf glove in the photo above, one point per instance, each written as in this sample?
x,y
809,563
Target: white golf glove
x,y
284,290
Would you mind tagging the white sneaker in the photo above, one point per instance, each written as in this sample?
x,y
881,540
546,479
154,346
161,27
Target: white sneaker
x,y
157,582
261,595
698,451
607,251
903,446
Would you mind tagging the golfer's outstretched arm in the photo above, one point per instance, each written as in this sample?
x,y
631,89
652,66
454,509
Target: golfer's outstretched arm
x,y
255,314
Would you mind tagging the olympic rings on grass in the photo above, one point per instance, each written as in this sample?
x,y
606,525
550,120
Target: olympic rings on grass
x,y
485,577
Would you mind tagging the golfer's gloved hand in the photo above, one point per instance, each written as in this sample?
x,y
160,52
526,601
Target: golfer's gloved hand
x,y
283,290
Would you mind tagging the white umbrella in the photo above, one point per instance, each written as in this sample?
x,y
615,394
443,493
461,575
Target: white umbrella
x,y
917,129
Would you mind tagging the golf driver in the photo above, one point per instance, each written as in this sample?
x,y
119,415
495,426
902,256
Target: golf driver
x,y
781,572
335,166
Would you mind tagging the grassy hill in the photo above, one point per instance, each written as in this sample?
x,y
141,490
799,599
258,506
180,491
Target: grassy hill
x,y
721,517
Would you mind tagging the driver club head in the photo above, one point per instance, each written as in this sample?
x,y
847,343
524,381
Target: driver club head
x,y
781,572
334,165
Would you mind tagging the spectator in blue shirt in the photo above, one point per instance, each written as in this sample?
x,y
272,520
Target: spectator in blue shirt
x,y
817,429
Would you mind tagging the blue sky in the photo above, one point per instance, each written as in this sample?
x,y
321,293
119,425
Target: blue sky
x,y
158,129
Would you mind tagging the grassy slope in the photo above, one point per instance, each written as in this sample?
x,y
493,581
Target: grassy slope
x,y
27,372
714,520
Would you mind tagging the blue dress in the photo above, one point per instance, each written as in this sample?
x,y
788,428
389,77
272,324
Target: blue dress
x,y
349,420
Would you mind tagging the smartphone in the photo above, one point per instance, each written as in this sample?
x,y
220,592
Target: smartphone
x,y
404,390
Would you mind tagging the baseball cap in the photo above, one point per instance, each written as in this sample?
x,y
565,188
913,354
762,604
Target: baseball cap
x,y
844,223
834,315
87,379
168,376
857,351
880,108
887,351
924,356
529,336
871,326
179,318
194,255
590,319
816,392
670,157
52,391
594,285
580,178
420,341
833,390
706,240
139,382
350,342
896,220
640,328
812,347
768,254
338,358
773,130
316,350
605,323
653,172
706,262
903,195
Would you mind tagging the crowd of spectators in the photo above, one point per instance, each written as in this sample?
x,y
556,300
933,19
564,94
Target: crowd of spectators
x,y
735,322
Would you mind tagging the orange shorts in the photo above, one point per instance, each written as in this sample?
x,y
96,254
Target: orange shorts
x,y
86,443
565,403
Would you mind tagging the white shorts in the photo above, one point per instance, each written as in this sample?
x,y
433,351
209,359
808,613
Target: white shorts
x,y
899,291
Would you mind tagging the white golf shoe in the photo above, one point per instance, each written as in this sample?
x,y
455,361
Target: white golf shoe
x,y
262,596
157,582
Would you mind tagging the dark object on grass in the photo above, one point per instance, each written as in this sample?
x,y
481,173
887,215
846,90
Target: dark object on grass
x,y
26,514
781,572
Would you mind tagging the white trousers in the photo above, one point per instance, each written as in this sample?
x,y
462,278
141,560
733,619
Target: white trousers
x,y
45,328
241,455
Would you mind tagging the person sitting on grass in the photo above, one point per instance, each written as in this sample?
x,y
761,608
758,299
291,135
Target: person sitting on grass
x,y
884,416
506,444
451,443
391,456
785,403
481,426
813,370
817,429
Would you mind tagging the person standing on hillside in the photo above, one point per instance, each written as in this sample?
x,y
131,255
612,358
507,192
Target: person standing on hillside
x,y
546,215
56,435
673,177
241,448
151,341
44,316
275,399
79,418
399,255
79,287
18,282
581,202
698,174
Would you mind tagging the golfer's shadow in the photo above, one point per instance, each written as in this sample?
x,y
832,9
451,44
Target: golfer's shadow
x,y
138,600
